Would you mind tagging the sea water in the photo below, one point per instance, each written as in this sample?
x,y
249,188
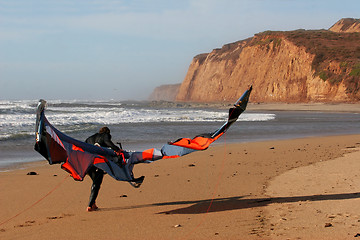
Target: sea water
x,y
142,125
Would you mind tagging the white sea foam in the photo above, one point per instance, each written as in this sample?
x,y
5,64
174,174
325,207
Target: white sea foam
x,y
18,117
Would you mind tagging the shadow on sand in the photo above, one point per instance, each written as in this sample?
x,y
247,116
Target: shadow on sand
x,y
235,203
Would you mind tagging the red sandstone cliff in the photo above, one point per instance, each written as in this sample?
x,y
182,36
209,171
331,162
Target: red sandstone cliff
x,y
293,66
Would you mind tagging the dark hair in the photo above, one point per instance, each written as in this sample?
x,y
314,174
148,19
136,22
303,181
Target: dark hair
x,y
104,130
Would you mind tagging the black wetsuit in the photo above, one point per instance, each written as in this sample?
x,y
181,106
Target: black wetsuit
x,y
103,139
96,174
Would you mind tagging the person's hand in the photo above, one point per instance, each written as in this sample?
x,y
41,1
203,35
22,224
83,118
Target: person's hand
x,y
119,152
121,157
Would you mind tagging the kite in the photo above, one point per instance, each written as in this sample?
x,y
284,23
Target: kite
x,y
76,157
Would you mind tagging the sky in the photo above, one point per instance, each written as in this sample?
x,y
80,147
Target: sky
x,y
123,49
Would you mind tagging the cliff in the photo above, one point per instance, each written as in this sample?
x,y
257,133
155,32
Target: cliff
x,y
291,66
346,25
165,93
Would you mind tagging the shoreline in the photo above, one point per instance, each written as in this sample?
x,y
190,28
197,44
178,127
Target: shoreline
x,y
220,193
316,107
321,107
41,160
13,149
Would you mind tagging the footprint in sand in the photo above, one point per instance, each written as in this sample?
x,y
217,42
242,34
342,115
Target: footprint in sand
x,y
26,224
61,216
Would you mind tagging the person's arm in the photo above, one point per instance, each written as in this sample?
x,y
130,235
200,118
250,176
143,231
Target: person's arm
x,y
109,143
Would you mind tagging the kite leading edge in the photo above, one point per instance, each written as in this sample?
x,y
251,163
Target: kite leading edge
x,y
77,157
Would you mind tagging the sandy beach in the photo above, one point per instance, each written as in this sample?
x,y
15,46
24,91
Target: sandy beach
x,y
319,107
305,188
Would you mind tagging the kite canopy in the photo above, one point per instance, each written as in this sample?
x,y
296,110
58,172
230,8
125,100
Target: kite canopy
x,y
77,157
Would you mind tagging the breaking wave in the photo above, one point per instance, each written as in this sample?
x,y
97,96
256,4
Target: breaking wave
x,y
17,118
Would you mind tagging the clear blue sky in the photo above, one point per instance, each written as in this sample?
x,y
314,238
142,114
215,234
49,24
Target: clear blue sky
x,y
122,49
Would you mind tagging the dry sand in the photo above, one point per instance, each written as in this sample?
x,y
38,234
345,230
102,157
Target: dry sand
x,y
320,107
286,189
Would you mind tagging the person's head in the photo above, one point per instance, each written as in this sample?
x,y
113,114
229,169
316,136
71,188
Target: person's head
x,y
104,130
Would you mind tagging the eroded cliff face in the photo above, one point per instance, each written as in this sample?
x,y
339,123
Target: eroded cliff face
x,y
279,68
346,25
279,72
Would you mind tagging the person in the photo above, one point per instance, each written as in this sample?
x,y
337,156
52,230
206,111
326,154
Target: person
x,y
103,139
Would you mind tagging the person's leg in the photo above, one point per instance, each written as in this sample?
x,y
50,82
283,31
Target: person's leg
x,y
97,176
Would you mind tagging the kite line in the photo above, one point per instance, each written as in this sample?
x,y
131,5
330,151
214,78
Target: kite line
x,y
35,203
220,175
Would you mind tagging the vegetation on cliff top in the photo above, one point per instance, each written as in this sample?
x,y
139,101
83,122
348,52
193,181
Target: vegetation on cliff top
x,y
327,47
324,44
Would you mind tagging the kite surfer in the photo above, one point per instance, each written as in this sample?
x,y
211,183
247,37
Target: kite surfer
x,y
103,139
81,158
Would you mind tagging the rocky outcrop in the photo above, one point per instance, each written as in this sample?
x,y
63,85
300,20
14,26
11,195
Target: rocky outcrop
x,y
165,93
293,66
346,25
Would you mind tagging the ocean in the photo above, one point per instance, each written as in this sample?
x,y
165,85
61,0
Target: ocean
x,y
142,125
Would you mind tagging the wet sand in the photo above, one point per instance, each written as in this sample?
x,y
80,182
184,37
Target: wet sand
x,y
260,190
